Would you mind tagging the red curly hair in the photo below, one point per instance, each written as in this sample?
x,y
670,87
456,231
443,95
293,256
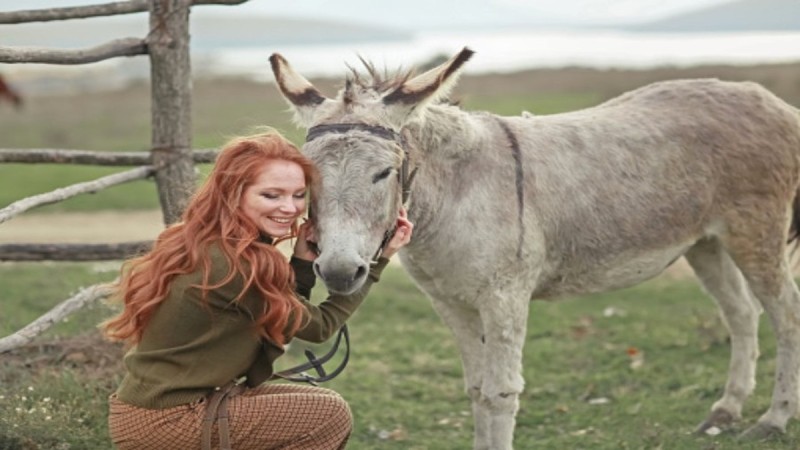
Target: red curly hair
x,y
214,216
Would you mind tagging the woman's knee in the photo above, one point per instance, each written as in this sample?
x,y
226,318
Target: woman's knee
x,y
340,412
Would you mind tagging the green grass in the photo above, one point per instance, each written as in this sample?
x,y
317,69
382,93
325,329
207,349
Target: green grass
x,y
32,179
404,380
31,289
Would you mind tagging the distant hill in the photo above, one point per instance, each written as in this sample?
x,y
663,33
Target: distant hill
x,y
741,15
224,31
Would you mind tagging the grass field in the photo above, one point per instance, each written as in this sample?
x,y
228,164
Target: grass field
x,y
584,390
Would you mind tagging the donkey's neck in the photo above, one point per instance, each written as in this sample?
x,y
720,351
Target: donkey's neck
x,y
447,132
446,144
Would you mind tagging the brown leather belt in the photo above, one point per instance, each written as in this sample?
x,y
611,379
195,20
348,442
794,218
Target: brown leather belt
x,y
217,411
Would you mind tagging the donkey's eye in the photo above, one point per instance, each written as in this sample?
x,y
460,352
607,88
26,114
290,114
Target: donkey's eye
x,y
383,174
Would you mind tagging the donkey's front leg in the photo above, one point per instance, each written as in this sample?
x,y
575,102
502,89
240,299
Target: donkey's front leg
x,y
504,314
465,323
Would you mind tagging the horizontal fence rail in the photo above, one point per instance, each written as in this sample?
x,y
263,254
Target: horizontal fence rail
x,y
112,49
83,12
73,252
64,193
90,157
55,315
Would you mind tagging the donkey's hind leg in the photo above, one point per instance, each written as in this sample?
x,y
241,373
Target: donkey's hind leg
x,y
764,264
725,284
465,324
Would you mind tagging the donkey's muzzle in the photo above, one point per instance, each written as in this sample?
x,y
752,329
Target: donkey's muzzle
x,y
341,276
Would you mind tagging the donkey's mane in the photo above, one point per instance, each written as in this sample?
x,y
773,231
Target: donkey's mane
x,y
381,82
376,80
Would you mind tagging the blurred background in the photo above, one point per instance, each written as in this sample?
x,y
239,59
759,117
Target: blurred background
x,y
541,56
318,36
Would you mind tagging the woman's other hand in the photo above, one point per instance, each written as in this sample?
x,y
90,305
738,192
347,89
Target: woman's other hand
x,y
402,235
305,248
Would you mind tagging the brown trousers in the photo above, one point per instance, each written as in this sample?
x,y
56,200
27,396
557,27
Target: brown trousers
x,y
271,416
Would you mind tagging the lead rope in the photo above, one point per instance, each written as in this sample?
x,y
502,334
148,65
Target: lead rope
x,y
298,373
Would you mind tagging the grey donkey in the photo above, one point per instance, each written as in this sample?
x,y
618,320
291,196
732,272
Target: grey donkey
x,y
510,209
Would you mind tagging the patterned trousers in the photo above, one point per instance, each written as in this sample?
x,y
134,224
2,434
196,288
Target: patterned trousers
x,y
270,416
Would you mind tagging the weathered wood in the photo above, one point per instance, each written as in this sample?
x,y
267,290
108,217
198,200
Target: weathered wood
x,y
171,104
81,12
55,315
89,157
75,12
72,252
73,190
112,49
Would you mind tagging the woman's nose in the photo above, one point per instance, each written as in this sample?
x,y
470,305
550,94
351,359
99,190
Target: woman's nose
x,y
288,205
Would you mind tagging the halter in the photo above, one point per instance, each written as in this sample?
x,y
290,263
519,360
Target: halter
x,y
298,373
404,177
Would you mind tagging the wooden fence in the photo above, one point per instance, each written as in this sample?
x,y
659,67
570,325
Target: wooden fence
x,y
170,159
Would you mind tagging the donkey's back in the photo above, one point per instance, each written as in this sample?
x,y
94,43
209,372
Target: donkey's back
x,y
623,189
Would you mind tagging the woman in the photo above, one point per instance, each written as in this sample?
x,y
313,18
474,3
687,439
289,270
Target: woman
x,y
214,301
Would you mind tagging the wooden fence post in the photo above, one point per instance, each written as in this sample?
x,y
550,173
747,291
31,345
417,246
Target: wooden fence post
x,y
168,45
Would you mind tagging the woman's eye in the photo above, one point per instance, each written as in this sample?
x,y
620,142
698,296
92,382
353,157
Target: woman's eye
x,y
383,174
300,196
269,196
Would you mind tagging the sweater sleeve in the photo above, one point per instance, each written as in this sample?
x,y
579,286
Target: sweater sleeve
x,y
304,277
323,320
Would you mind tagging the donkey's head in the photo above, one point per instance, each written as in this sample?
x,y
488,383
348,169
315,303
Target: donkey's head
x,y
355,141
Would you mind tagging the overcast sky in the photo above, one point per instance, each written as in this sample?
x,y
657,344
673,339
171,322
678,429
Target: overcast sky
x,y
408,13
576,11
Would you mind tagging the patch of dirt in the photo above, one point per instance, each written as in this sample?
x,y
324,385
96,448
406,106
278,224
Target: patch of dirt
x,y
83,227
90,356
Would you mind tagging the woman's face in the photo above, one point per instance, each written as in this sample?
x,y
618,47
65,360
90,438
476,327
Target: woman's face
x,y
277,198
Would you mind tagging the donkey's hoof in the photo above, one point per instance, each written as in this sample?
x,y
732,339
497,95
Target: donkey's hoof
x,y
718,418
760,432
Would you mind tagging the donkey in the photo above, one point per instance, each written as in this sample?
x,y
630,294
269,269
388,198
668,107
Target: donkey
x,y
510,209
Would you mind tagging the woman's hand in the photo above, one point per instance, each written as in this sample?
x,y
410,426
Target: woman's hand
x,y
306,242
402,235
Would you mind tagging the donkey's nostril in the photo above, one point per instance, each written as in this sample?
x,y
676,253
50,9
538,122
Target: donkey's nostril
x,y
360,272
318,271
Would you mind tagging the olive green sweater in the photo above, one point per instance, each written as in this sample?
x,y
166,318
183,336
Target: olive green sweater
x,y
190,346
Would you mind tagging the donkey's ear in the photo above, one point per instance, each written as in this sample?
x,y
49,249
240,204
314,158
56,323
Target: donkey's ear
x,y
302,96
431,85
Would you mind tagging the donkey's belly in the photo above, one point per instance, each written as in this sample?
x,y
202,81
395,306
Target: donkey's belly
x,y
613,273
446,281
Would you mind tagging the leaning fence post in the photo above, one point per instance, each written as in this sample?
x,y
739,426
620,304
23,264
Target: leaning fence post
x,y
170,69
